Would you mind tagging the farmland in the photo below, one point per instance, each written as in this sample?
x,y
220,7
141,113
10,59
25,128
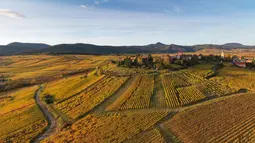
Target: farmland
x,y
21,120
236,78
100,128
92,99
224,121
138,95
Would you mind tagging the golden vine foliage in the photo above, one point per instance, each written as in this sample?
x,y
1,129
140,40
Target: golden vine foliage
x,y
108,127
149,136
66,87
225,121
141,95
85,101
21,120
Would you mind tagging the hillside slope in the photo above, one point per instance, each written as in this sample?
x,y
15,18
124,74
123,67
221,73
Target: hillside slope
x,y
17,48
80,48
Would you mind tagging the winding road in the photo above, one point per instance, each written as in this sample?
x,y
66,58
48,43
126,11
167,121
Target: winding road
x,y
52,126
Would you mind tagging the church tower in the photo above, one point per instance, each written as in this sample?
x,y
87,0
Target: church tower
x,y
222,54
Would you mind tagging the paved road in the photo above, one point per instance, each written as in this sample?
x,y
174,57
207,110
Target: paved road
x,y
52,127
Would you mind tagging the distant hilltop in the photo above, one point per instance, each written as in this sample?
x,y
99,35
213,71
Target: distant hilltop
x,y
18,48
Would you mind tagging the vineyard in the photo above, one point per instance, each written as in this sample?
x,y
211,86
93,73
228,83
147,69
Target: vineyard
x,y
66,87
170,92
140,98
137,95
151,136
236,78
83,102
38,69
91,99
225,121
183,87
100,127
21,120
189,94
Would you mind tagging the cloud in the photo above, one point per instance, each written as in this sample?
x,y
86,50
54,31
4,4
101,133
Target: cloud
x,y
178,9
168,11
12,14
96,2
84,6
100,2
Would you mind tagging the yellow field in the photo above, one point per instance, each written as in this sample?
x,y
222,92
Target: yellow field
x,y
94,100
88,99
112,128
236,78
66,87
42,66
150,136
226,121
21,120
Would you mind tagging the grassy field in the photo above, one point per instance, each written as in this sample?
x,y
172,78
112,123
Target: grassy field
x,y
21,120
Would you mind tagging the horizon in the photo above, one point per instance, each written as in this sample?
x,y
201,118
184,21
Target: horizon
x,y
127,22
123,45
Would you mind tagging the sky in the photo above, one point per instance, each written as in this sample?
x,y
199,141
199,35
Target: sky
x,y
127,22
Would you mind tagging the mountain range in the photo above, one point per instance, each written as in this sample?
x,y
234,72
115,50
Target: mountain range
x,y
17,48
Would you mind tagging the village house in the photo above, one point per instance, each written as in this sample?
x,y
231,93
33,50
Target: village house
x,y
242,62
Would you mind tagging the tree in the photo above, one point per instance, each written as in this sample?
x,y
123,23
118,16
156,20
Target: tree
x,y
135,62
128,62
150,58
194,60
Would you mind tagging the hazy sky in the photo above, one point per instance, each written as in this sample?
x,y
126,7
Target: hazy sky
x,y
127,22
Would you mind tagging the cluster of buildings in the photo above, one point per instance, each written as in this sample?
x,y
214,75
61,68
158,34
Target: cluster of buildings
x,y
240,61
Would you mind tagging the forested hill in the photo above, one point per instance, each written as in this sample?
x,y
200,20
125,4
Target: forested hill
x,y
18,48
31,48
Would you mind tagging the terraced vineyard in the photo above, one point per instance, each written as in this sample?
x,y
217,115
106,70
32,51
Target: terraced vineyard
x,y
85,101
21,120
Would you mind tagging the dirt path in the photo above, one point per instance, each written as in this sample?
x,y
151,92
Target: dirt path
x,y
52,127
158,98
101,108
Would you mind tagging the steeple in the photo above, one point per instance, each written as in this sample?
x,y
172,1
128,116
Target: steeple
x,y
222,54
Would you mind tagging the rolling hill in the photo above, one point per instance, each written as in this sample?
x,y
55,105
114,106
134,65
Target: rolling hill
x,y
80,48
17,48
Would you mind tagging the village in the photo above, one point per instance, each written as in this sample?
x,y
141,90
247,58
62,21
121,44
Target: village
x,y
181,60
